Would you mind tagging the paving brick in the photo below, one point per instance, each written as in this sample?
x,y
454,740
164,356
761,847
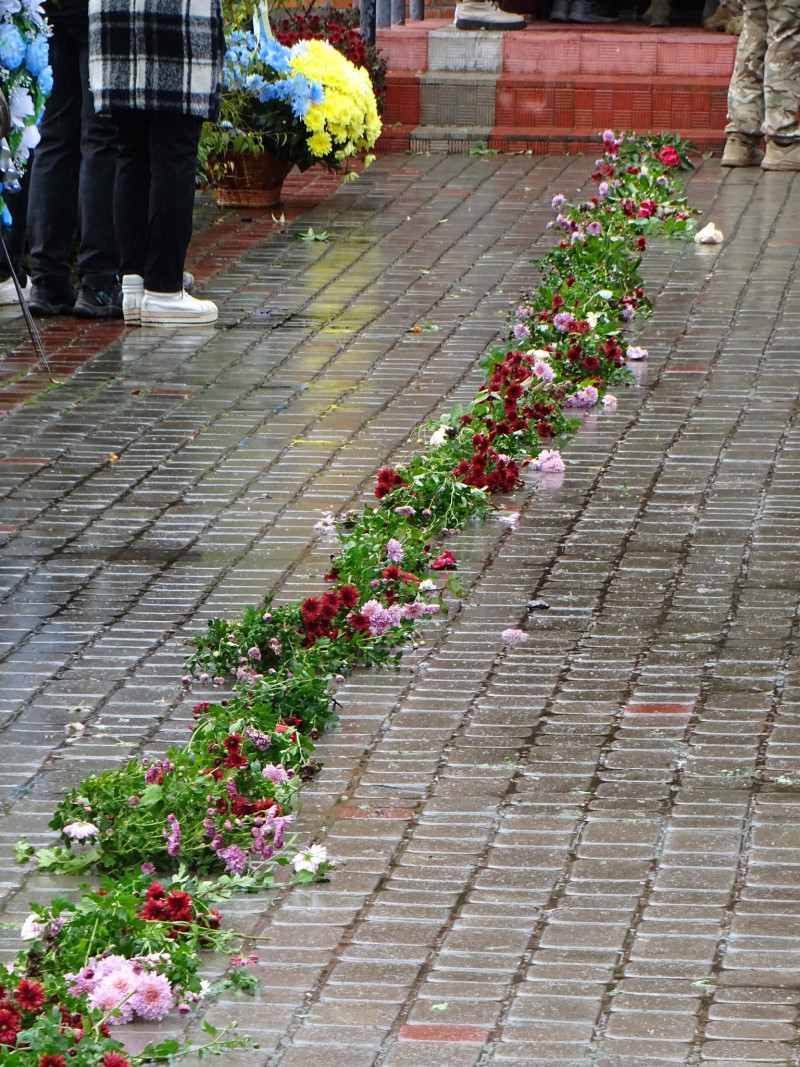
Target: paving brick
x,y
560,855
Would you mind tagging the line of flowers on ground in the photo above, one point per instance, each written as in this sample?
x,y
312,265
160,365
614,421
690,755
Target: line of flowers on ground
x,y
224,802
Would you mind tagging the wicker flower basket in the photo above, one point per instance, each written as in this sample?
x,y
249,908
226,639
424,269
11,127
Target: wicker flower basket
x,y
255,181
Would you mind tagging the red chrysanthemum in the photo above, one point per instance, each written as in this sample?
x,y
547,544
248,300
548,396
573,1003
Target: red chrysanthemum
x,y
179,906
115,1059
329,605
52,1061
311,608
29,995
234,761
348,596
10,1020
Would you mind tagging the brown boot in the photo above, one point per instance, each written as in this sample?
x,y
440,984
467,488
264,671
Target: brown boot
x,y
741,150
781,157
717,20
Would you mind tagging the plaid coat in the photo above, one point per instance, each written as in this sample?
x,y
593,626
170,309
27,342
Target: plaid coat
x,y
156,55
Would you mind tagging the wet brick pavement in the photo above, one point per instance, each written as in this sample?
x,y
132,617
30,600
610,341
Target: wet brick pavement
x,y
582,851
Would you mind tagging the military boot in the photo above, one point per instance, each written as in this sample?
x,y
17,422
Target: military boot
x,y
782,156
741,150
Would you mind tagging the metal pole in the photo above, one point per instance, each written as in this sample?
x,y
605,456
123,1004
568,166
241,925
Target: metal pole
x,y
368,21
416,10
383,14
398,12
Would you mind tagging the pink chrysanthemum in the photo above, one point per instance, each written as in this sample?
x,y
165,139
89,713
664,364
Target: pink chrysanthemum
x,y
114,991
512,636
153,997
549,461
394,550
80,831
234,858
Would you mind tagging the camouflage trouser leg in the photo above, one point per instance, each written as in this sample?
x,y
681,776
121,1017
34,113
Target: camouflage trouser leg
x,y
764,93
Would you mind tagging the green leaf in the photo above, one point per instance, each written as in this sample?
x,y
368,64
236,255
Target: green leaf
x,y
152,794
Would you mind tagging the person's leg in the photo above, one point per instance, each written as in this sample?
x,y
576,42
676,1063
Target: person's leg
x,y
781,74
98,257
746,90
53,197
173,165
132,189
131,204
172,154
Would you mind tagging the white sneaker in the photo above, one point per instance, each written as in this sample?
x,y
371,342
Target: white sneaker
x,y
176,309
485,15
8,292
132,295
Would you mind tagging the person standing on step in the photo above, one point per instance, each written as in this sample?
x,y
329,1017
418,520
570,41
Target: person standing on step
x,y
155,66
71,183
587,11
764,91
485,15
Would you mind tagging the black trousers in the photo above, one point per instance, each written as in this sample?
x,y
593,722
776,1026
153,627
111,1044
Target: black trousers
x,y
72,175
154,194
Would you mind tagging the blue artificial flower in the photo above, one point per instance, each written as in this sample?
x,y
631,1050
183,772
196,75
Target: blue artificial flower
x,y
5,216
254,83
275,55
300,101
294,91
12,46
317,93
37,55
46,83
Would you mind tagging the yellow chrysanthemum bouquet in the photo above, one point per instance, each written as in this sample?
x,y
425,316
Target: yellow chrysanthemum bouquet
x,y
305,104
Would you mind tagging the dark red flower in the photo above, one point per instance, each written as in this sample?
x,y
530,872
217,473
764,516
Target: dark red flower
x,y
348,596
311,608
233,742
52,1061
29,995
387,482
359,622
591,363
154,911
669,156
115,1059
641,244
10,1020
179,906
329,605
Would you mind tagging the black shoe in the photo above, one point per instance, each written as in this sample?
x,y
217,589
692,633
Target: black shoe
x,y
44,303
99,303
